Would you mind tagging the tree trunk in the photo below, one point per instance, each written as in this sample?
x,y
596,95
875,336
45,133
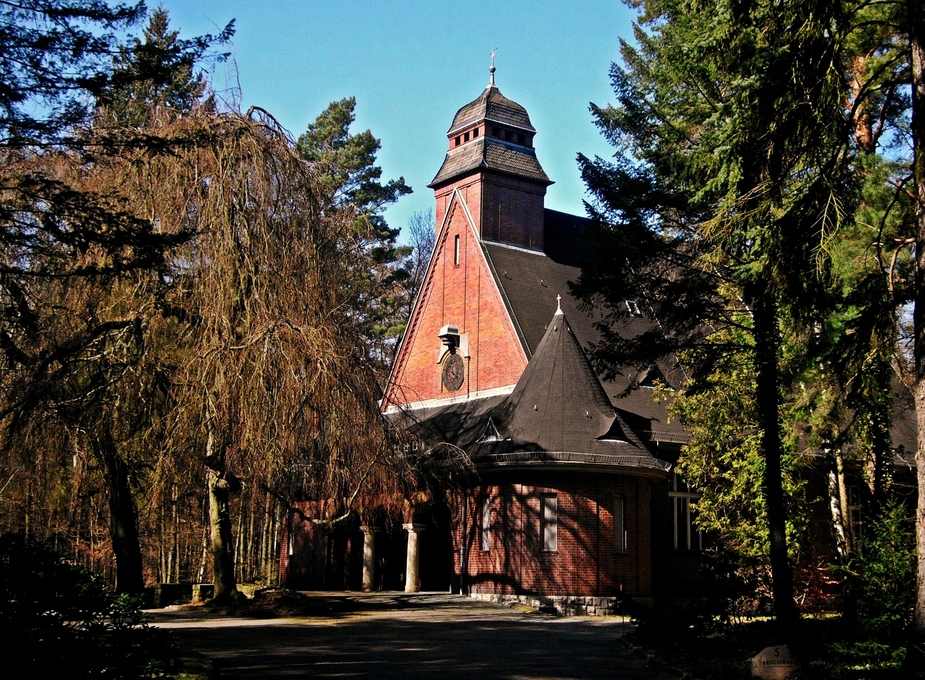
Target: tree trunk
x,y
843,507
176,535
844,532
764,311
265,540
123,516
863,131
273,552
251,551
27,526
916,10
881,448
238,533
162,575
221,485
201,574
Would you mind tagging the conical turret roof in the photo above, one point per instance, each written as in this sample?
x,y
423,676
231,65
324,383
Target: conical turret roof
x,y
559,413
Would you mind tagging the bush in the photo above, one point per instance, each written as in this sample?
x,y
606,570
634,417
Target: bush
x,y
886,570
707,597
59,620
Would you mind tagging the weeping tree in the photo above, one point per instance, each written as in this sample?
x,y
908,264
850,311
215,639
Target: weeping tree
x,y
79,265
275,387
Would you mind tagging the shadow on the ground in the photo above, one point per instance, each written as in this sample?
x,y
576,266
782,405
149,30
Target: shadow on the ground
x,y
396,635
276,604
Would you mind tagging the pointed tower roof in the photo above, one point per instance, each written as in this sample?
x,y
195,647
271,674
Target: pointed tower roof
x,y
559,412
558,403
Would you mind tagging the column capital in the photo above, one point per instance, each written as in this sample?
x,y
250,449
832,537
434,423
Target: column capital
x,y
413,526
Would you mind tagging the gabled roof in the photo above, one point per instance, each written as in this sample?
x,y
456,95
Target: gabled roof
x,y
485,153
494,106
530,282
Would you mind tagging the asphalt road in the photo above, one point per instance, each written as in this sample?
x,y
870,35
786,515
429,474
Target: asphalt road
x,y
394,635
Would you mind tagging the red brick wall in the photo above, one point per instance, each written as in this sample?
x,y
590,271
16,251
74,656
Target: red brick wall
x,y
309,543
505,209
465,296
586,561
512,211
470,188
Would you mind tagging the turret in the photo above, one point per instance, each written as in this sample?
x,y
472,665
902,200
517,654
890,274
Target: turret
x,y
491,160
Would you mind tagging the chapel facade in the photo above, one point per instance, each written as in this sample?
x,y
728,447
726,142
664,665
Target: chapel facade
x,y
571,500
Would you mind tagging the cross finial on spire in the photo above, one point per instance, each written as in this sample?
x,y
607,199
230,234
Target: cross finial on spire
x,y
491,69
558,304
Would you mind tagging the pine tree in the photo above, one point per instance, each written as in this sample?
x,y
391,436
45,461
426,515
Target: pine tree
x,y
727,183
353,185
156,73
916,27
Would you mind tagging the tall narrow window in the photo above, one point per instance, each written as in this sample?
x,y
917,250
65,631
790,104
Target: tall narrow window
x,y
486,524
619,525
456,250
475,133
549,523
686,535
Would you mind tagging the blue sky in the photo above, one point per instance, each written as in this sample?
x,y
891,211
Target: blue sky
x,y
412,64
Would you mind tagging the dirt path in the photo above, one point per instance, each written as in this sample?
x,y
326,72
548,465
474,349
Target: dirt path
x,y
393,635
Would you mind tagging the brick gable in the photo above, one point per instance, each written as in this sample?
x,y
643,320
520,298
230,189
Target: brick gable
x,y
466,296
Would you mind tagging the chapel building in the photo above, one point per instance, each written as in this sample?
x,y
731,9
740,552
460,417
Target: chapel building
x,y
572,501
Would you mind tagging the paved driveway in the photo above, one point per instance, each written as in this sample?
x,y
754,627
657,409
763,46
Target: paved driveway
x,y
394,635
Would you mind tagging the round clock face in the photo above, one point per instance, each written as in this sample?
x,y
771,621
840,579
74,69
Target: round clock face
x,y
454,371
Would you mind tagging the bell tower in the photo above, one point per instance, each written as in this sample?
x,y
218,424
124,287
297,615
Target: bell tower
x,y
492,162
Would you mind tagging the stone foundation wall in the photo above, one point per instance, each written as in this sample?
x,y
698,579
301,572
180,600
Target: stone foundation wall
x,y
566,605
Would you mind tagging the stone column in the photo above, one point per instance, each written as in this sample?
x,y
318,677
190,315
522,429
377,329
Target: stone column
x,y
412,564
369,557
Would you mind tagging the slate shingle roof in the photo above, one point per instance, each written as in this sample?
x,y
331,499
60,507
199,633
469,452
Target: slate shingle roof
x,y
558,414
530,282
494,106
490,154
514,159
